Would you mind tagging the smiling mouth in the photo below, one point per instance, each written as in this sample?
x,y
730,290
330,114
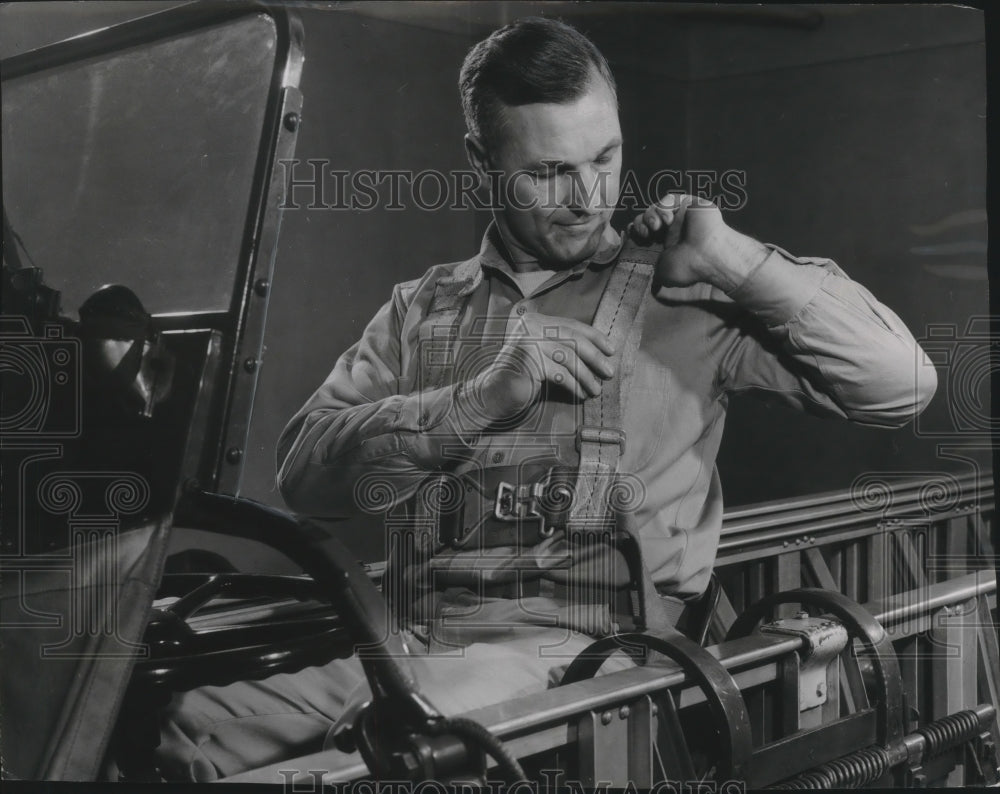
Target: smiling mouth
x,y
582,224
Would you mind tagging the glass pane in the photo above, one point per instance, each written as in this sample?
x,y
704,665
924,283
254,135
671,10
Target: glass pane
x,y
136,167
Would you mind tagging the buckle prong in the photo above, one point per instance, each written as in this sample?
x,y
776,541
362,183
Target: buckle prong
x,y
505,505
514,503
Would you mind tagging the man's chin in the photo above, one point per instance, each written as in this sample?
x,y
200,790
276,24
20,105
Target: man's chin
x,y
567,251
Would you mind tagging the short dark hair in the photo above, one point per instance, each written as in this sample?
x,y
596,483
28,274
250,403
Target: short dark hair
x,y
533,59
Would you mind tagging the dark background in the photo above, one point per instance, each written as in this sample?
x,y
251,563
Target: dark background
x,y
858,129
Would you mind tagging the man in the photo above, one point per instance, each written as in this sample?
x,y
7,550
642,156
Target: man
x,y
470,386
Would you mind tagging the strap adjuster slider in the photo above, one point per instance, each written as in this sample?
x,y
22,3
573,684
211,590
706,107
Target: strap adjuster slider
x,y
589,434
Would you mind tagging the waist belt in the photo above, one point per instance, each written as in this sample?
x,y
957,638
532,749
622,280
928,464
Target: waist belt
x,y
509,506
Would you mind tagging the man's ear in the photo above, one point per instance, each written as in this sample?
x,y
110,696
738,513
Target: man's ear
x,y
478,158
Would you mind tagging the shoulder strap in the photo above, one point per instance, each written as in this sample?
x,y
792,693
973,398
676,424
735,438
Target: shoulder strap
x,y
601,439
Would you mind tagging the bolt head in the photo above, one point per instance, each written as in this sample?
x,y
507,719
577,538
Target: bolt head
x,y
623,712
606,718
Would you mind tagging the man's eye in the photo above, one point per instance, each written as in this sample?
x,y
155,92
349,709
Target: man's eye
x,y
604,159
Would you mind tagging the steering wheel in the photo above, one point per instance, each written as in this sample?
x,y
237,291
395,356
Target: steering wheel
x,y
359,619
181,658
355,620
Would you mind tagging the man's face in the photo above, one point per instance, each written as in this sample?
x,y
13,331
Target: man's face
x,y
561,165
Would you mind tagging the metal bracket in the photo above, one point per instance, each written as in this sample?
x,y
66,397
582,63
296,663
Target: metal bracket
x,y
887,689
725,700
825,640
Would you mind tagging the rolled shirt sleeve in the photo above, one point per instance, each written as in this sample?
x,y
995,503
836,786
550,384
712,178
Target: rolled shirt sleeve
x,y
839,350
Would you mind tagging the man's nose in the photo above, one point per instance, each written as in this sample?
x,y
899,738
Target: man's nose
x,y
585,190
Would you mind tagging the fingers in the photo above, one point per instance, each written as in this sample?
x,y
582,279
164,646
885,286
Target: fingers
x,y
583,332
566,367
542,327
673,235
569,376
569,353
639,230
659,216
646,225
664,219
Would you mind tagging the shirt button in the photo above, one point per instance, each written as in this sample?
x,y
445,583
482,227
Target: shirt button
x,y
497,457
521,309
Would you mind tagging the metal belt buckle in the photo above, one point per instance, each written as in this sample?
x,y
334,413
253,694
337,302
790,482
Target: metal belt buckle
x,y
506,505
529,503
518,502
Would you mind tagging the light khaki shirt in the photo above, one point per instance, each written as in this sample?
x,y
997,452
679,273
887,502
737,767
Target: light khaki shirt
x,y
797,330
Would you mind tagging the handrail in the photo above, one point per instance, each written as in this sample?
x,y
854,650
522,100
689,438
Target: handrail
x,y
906,494
870,506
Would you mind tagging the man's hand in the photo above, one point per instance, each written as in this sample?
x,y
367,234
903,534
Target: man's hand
x,y
698,245
542,349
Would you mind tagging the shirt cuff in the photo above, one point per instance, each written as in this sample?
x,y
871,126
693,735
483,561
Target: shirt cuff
x,y
424,411
779,287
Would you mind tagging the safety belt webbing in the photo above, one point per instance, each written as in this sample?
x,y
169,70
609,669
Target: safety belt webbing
x,y
601,438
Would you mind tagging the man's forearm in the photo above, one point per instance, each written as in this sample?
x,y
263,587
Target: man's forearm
x,y
330,449
734,257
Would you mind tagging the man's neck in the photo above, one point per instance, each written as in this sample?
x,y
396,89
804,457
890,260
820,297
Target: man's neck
x,y
518,258
522,261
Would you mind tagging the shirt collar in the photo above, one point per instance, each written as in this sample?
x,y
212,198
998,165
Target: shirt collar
x,y
492,253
